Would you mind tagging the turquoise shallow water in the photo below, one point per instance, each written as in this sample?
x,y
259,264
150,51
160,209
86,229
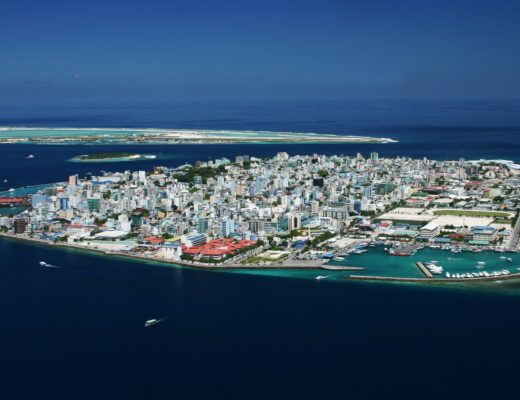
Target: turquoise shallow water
x,y
377,262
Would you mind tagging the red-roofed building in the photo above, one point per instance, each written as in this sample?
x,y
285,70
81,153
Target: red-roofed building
x,y
219,248
154,240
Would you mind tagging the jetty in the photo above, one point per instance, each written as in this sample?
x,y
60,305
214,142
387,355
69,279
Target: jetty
x,y
424,270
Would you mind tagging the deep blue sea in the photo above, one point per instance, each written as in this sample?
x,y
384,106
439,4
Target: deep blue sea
x,y
77,331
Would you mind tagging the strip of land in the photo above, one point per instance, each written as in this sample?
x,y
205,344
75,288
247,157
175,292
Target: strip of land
x,y
169,136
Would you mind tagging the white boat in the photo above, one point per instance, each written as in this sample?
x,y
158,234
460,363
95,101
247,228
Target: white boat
x,y
481,264
320,277
5,181
503,257
11,190
509,260
359,252
339,258
150,156
43,264
448,275
30,156
151,322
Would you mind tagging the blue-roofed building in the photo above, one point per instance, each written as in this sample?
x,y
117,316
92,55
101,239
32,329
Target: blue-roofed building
x,y
483,233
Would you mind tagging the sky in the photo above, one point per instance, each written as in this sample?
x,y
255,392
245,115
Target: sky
x,y
154,50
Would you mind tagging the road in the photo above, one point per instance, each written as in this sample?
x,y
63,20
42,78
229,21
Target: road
x,y
514,236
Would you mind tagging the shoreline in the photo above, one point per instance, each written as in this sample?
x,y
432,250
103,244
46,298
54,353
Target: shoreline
x,y
208,267
195,265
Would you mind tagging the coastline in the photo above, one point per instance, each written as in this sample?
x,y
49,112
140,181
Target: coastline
x,y
195,265
230,267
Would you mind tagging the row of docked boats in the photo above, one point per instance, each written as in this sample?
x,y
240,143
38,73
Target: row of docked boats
x,y
480,274
474,249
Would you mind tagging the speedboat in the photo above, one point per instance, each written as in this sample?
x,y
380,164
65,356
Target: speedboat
x,y
151,322
509,260
481,264
320,277
338,258
43,264
30,156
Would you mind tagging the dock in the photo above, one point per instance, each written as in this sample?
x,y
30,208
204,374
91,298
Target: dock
x,y
424,270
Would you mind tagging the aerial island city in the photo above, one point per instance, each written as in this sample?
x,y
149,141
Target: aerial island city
x,y
312,212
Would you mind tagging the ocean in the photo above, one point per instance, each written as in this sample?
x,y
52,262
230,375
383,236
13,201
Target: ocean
x,y
77,331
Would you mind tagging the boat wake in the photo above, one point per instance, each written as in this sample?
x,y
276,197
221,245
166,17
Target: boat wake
x,y
154,321
321,277
47,265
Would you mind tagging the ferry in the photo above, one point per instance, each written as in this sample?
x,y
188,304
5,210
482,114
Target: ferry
x,y
400,253
151,322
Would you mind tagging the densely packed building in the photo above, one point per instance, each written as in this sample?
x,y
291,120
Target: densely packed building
x,y
266,200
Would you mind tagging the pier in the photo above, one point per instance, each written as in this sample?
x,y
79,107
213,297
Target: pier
x,y
424,270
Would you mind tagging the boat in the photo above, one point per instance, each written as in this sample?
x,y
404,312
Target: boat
x,y
399,253
481,264
448,275
5,181
30,156
509,260
340,268
151,322
43,264
503,257
338,258
358,252
435,268
150,156
320,277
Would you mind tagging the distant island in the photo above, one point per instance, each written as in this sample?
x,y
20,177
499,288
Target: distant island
x,y
169,136
112,157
